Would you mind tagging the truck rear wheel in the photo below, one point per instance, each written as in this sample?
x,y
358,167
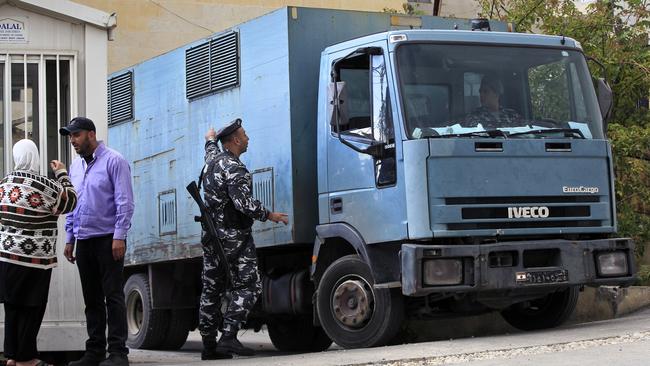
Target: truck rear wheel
x,y
146,326
547,312
352,312
298,335
180,322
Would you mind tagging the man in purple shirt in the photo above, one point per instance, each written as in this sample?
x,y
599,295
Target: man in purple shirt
x,y
97,227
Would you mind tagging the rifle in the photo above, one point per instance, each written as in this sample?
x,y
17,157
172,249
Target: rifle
x,y
208,226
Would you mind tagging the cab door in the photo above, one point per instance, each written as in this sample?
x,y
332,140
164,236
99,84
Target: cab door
x,y
365,189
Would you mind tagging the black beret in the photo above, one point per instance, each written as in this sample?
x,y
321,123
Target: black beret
x,y
77,124
229,128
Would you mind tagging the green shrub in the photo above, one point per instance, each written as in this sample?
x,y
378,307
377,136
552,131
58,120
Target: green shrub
x,y
644,275
631,148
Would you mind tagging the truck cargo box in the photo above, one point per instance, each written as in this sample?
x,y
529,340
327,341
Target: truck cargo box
x,y
264,71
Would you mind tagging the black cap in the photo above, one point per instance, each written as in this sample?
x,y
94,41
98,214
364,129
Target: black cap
x,y
229,128
77,124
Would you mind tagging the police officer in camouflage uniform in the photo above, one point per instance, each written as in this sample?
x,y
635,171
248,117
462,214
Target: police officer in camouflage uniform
x,y
228,194
209,311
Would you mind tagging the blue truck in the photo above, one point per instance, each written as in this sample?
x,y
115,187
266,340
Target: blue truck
x,y
405,200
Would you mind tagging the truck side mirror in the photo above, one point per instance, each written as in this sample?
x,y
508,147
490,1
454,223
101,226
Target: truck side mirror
x,y
605,101
337,107
605,96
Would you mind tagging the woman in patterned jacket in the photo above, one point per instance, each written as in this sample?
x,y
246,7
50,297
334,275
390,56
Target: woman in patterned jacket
x,y
30,204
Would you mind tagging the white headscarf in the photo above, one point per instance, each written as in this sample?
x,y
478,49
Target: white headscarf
x,y
26,156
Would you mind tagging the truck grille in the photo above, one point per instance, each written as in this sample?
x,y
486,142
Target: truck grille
x,y
502,212
519,200
523,225
478,213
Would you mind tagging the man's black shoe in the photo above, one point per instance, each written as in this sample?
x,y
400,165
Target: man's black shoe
x,y
209,342
88,359
230,344
115,359
213,354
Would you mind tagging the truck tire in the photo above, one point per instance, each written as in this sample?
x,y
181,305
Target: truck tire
x,y
146,326
352,312
298,335
180,322
547,312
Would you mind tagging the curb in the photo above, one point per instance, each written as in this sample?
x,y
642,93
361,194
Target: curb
x,y
594,304
608,302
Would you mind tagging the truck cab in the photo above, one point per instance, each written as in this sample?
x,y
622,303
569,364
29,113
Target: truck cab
x,y
468,170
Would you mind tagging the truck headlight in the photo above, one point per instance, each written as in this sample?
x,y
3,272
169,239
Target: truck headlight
x,y
438,272
612,264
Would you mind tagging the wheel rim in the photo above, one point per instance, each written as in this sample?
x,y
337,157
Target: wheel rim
x,y
352,303
134,311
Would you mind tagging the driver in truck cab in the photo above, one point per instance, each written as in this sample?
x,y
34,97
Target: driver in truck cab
x,y
491,114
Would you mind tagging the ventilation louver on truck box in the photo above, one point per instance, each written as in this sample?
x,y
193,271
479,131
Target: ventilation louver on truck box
x,y
212,66
120,98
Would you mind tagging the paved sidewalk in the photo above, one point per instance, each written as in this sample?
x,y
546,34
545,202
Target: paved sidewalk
x,y
632,331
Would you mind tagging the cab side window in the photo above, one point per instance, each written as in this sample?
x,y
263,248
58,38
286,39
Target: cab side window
x,y
368,110
355,72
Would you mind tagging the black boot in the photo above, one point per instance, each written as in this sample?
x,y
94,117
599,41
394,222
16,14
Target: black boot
x,y
88,359
228,343
209,351
116,359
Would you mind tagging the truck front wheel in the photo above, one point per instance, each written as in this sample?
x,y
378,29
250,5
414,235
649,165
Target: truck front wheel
x,y
353,313
547,312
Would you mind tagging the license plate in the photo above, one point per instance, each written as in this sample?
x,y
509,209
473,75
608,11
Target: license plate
x,y
541,277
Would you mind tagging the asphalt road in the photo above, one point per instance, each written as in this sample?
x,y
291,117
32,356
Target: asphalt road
x,y
622,341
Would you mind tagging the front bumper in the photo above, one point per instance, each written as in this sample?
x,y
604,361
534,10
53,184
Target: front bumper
x,y
515,265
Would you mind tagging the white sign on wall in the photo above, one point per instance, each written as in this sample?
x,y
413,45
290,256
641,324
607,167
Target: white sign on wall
x,y
13,30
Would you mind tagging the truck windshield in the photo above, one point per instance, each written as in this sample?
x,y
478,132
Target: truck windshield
x,y
496,91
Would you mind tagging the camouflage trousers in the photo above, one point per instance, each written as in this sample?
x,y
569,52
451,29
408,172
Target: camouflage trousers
x,y
240,297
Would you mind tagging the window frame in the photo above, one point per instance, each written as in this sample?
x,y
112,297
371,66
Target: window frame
x,y
64,153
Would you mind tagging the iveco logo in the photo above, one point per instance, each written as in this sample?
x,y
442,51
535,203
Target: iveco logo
x,y
527,212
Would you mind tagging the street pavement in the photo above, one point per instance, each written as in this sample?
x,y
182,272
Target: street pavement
x,y
622,341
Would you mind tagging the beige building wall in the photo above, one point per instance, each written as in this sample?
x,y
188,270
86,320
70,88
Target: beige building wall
x,y
459,8
147,28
